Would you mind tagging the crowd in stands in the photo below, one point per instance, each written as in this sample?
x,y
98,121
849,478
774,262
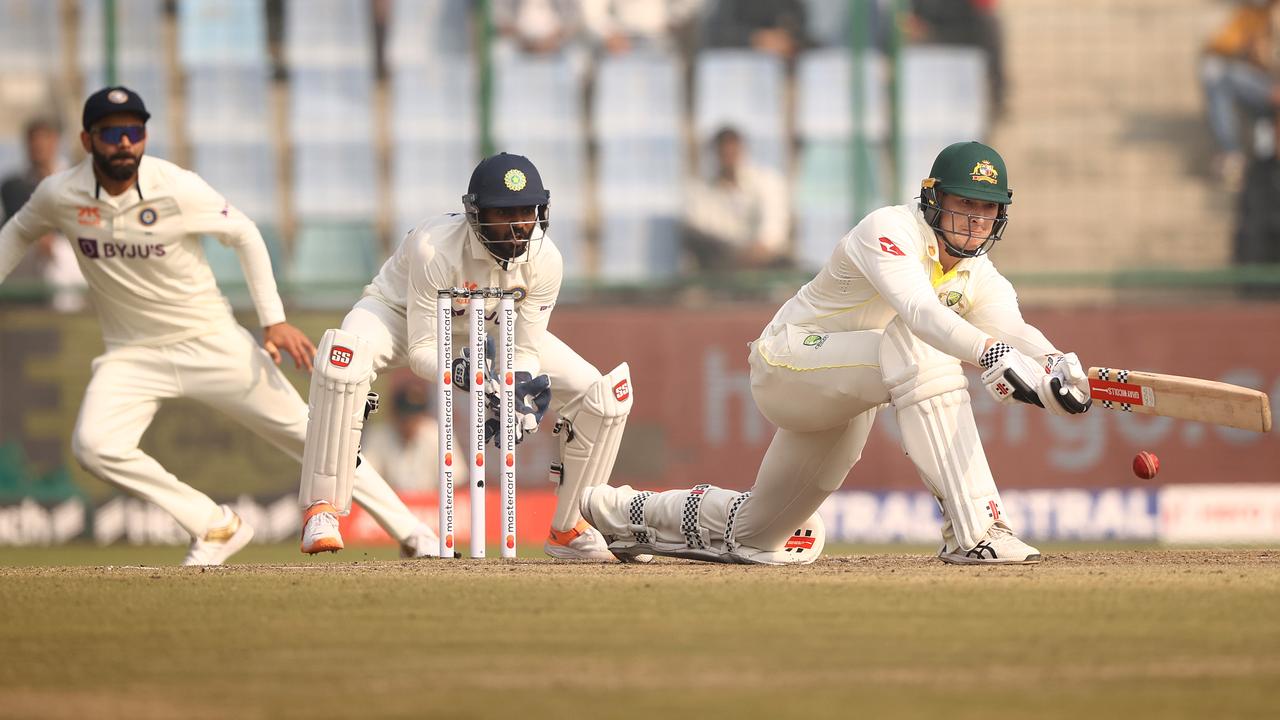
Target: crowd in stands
x,y
677,136
1240,72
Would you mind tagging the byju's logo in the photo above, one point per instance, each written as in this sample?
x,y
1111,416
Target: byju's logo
x,y
89,247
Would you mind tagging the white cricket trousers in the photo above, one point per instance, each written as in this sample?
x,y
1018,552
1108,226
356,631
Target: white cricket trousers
x,y
227,370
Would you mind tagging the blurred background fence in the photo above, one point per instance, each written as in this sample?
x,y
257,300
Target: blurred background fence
x,y
704,157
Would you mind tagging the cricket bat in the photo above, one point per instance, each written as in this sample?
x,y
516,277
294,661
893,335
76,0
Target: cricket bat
x,y
1203,401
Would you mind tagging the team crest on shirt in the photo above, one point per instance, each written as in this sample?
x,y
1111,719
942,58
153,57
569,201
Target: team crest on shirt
x,y
815,341
519,293
514,180
950,298
985,172
147,216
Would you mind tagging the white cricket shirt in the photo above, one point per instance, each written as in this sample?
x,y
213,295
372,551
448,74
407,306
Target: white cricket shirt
x,y
443,253
140,251
887,267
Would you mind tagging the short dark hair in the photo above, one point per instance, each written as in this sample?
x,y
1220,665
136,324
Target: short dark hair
x,y
728,133
40,124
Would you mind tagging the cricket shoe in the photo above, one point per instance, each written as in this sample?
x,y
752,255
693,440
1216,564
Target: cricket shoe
x,y
998,547
423,543
320,529
583,542
220,542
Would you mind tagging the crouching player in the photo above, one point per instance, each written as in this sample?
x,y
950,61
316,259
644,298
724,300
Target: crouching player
x,y
907,296
499,241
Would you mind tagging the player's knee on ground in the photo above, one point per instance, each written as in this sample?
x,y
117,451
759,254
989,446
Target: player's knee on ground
x,y
699,524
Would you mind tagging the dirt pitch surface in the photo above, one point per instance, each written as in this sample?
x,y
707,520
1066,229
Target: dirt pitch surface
x,y
1136,634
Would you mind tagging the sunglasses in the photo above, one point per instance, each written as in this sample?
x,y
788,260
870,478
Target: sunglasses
x,y
113,135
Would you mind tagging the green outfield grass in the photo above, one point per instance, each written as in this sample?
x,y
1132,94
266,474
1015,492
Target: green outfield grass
x,y
1129,634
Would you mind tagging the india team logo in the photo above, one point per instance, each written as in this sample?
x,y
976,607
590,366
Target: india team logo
x,y
985,172
147,216
340,356
514,180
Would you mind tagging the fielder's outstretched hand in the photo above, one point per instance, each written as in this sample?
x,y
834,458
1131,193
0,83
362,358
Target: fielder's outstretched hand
x,y
283,336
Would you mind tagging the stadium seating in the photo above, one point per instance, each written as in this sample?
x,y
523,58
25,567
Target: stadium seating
x,y
936,114
222,33
30,37
434,132
824,189
529,118
141,63
744,89
329,260
637,115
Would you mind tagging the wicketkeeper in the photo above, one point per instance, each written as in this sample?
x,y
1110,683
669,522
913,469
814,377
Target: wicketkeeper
x,y
906,298
500,240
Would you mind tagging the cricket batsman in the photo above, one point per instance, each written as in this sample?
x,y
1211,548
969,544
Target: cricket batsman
x,y
168,331
907,297
500,240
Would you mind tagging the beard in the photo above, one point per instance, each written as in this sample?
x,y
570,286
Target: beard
x,y
114,170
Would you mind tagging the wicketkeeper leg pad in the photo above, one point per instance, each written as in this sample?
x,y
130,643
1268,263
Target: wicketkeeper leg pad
x,y
337,408
929,391
590,432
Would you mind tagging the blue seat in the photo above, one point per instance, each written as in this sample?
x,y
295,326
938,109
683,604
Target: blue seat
x,y
639,248
30,36
225,33
937,114
228,103
536,98
640,175
245,173
331,262
334,181
434,101
429,178
744,89
824,92
638,95
139,26
422,32
332,104
328,33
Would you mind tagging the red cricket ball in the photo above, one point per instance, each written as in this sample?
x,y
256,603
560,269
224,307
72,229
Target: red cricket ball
x,y
1146,465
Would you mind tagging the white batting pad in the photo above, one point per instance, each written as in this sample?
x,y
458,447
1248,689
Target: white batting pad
x,y
939,434
339,385
590,434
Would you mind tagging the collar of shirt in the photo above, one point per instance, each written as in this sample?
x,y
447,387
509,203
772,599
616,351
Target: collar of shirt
x,y
936,274
147,186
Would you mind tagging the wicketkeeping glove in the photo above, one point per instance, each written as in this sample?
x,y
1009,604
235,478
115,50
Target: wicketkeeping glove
x,y
533,397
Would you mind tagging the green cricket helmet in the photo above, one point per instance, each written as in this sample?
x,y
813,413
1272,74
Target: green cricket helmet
x,y
969,170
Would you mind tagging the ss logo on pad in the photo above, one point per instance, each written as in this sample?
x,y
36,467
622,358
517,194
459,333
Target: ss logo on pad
x,y
340,356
